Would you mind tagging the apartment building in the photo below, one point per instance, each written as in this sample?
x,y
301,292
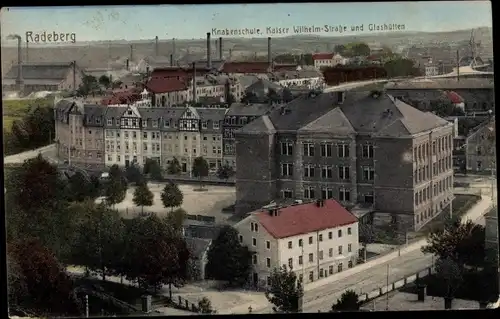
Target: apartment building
x,y
80,133
363,148
315,239
322,60
480,148
310,79
237,116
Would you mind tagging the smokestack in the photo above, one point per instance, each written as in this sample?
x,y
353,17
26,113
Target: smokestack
x,y
458,66
195,98
209,53
171,60
173,47
269,57
220,48
131,51
74,75
128,64
156,46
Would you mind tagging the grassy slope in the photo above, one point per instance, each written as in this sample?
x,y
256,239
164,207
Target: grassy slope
x,y
16,109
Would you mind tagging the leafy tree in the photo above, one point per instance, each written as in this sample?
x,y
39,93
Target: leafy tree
x,y
200,168
174,167
400,67
463,243
48,289
133,174
171,196
80,187
205,306
227,259
287,95
340,49
16,283
98,235
143,196
152,168
116,186
285,291
89,86
349,301
451,274
250,98
225,172
176,218
105,81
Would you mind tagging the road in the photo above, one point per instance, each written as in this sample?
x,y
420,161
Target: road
x,y
49,152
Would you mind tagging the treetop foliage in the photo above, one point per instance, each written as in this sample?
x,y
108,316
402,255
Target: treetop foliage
x,y
285,291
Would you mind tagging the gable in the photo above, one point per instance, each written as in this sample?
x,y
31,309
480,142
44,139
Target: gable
x,y
190,114
131,112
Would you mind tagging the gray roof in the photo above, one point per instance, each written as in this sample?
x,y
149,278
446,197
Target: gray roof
x,y
333,121
151,114
261,86
261,125
211,115
215,63
198,229
113,112
247,80
242,109
94,115
41,71
197,246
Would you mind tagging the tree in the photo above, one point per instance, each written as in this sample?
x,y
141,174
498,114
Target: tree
x,y
176,218
98,234
227,259
205,306
287,95
89,86
80,188
48,289
143,196
16,283
340,49
171,196
174,167
133,174
463,243
451,273
285,291
153,169
105,81
400,67
116,186
225,172
200,168
250,98
349,301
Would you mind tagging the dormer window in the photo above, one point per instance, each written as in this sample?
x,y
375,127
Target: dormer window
x,y
118,121
166,123
144,123
110,121
216,125
204,124
98,120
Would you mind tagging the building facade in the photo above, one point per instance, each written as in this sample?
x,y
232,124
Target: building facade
x,y
315,239
480,148
356,147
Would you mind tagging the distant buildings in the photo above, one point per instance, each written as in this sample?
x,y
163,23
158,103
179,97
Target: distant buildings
x,y
44,77
322,60
431,69
360,148
480,148
316,240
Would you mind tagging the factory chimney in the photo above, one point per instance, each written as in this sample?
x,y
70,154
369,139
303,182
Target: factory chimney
x,y
131,51
220,48
195,98
171,60
269,56
128,64
209,52
173,48
156,46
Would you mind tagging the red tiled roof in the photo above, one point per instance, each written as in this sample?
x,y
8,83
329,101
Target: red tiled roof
x,y
305,218
245,67
454,97
323,56
158,85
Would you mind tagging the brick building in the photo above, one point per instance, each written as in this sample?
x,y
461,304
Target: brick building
x,y
356,147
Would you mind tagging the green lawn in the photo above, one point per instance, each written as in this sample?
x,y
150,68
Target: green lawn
x,y
17,109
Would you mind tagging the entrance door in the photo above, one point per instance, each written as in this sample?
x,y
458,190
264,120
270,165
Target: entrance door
x,y
184,167
127,163
255,279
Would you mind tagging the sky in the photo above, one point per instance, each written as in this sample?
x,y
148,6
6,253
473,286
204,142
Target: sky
x,y
97,23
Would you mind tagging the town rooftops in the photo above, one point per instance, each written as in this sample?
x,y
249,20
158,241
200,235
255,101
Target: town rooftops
x,y
158,85
304,218
41,71
246,67
242,109
323,56
441,83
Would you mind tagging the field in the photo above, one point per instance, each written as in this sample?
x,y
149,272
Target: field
x,y
16,109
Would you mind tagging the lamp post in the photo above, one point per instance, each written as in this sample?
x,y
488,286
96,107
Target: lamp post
x,y
19,59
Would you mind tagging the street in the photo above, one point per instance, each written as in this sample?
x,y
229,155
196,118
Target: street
x,y
49,152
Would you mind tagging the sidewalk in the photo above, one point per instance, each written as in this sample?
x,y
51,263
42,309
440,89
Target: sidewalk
x,y
21,157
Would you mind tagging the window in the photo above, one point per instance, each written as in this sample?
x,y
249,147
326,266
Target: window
x,y
349,248
340,250
349,264
256,227
254,242
326,150
290,263
287,169
349,231
310,240
330,235
368,173
300,260
320,255
344,172
268,244
308,149
216,125
311,257
339,267
320,237
340,233
300,242
326,193
330,270
287,193
252,226
308,170
327,172
254,259
241,238
301,278
268,262
369,198
311,276
367,151
286,148
343,150
289,245
204,124
110,122
330,252
309,192
344,195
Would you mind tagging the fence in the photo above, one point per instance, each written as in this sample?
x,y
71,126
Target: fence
x,y
208,180
184,304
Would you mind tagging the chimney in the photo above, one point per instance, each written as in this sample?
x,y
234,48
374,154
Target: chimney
x,y
220,49
156,46
74,75
320,203
269,57
171,60
195,98
173,48
209,51
127,64
273,211
131,51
